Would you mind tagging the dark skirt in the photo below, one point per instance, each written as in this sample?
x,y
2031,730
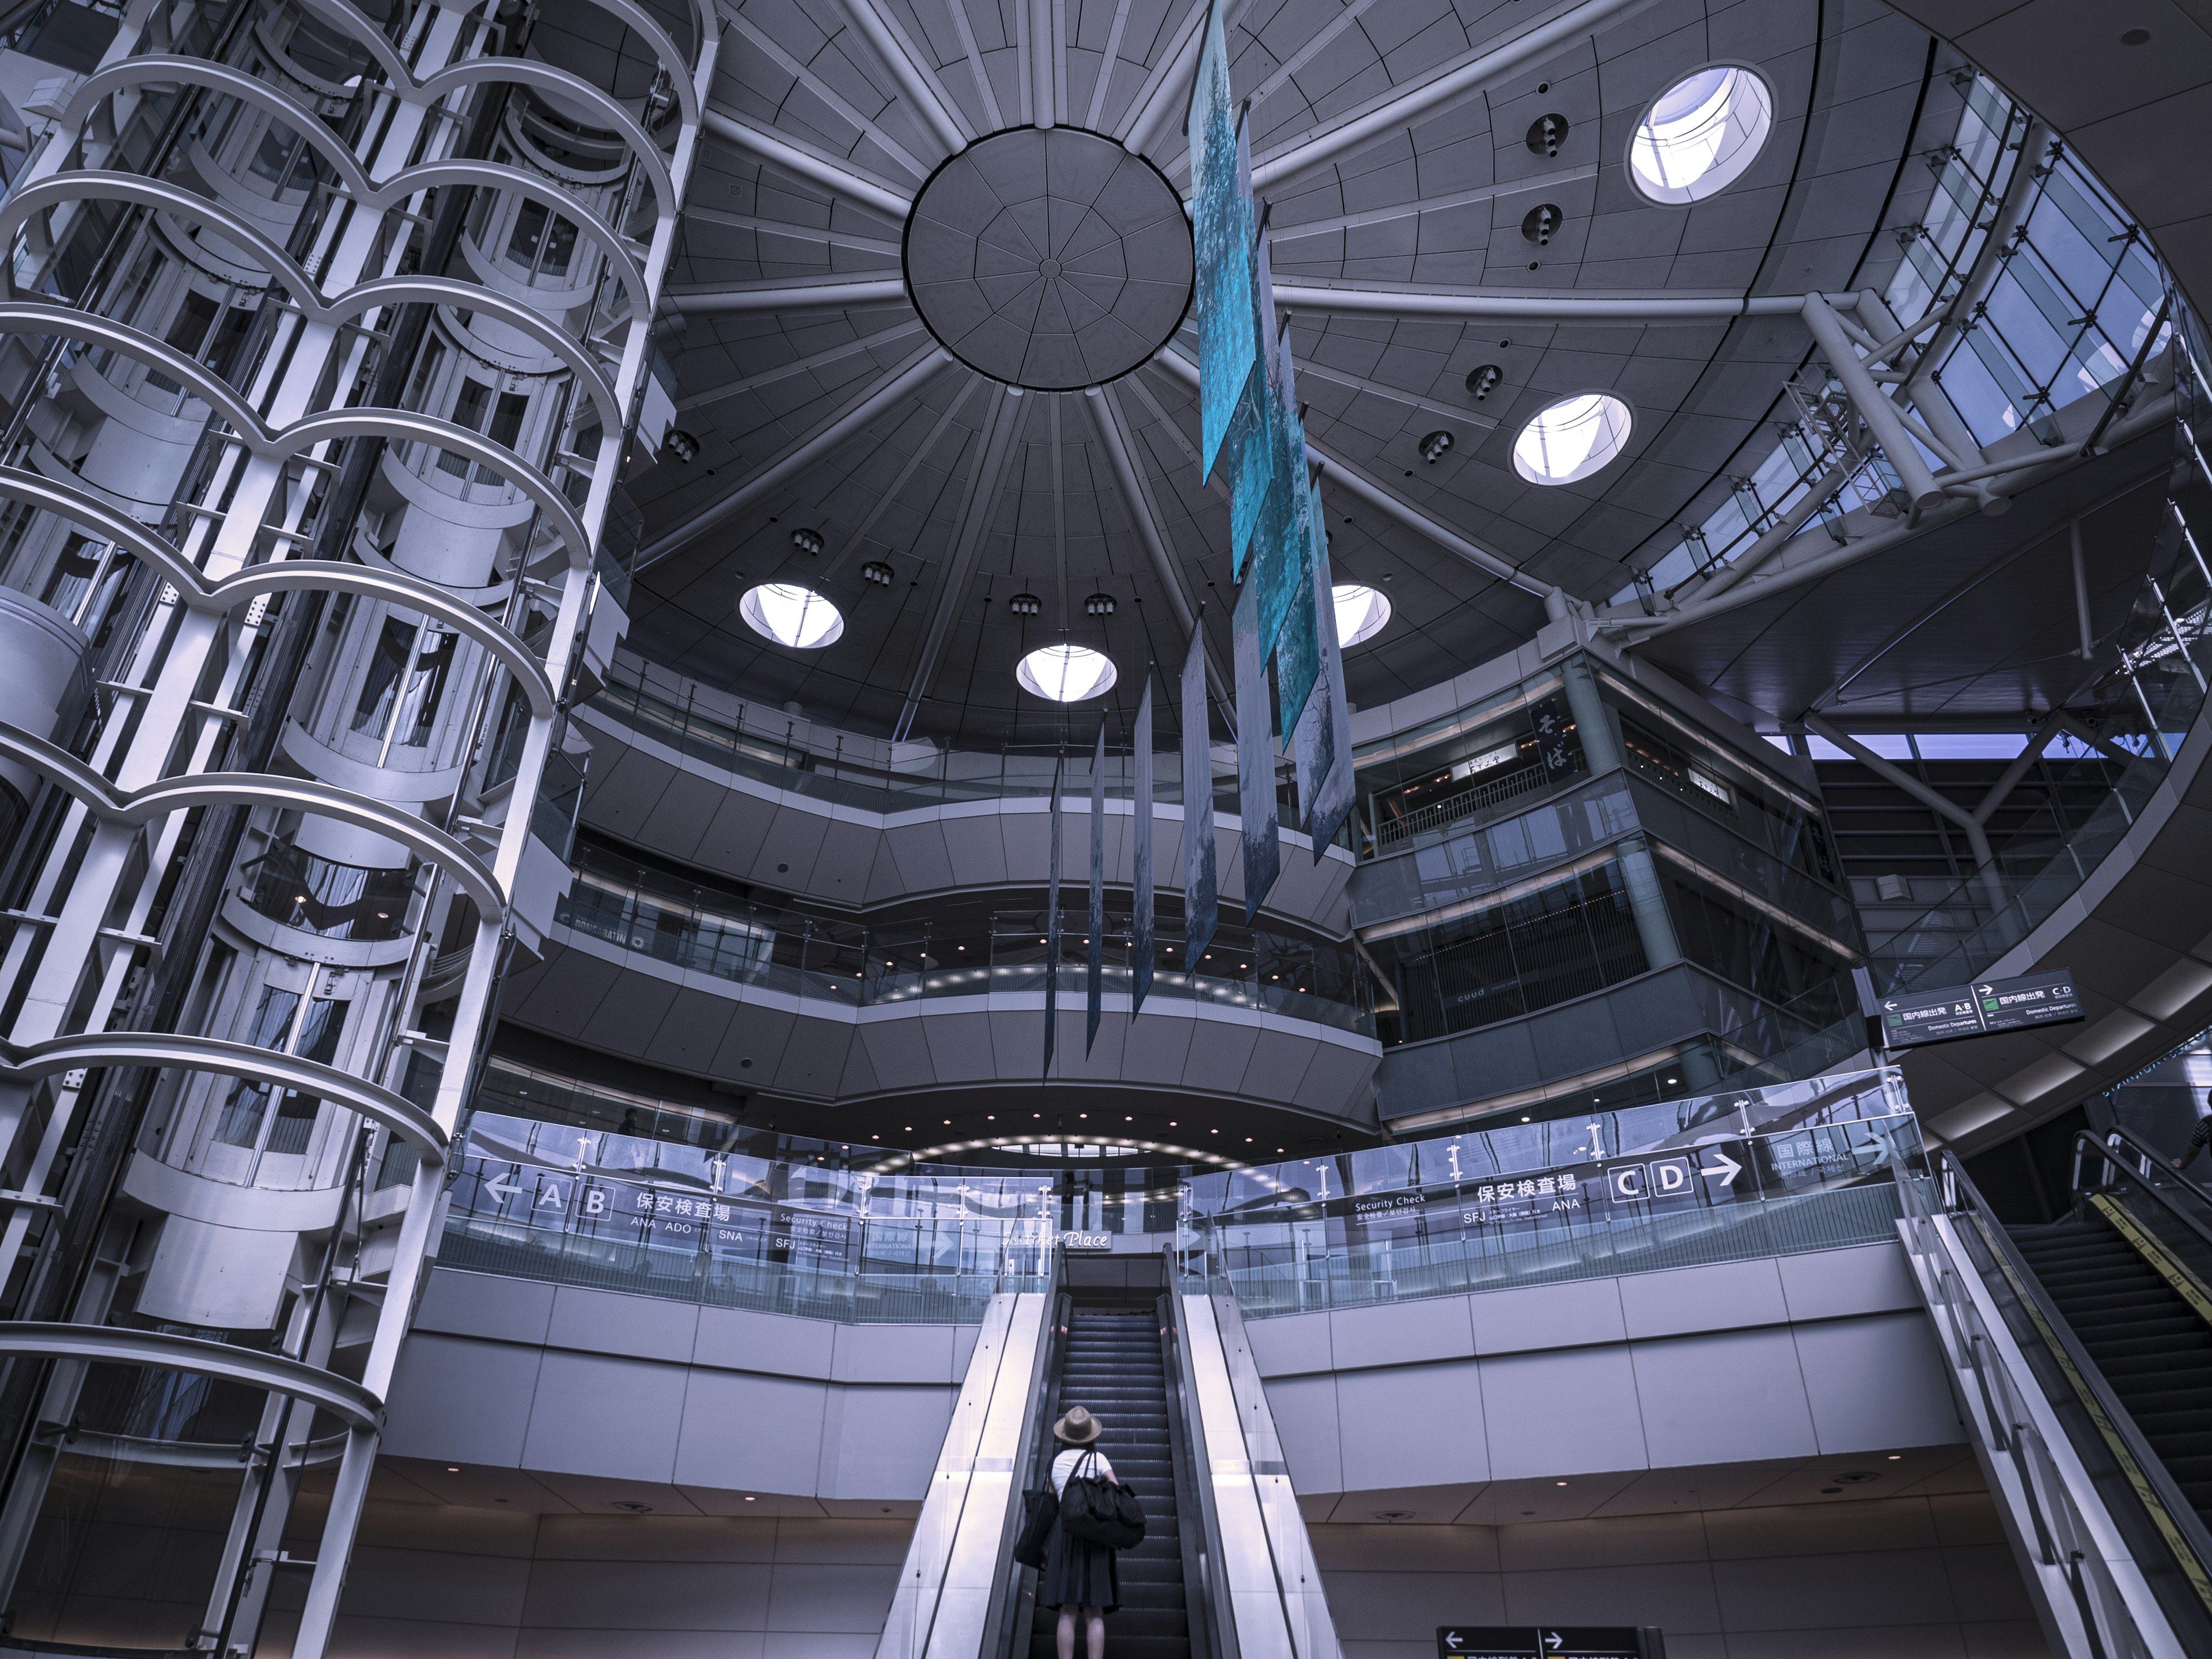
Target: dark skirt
x,y
1078,1573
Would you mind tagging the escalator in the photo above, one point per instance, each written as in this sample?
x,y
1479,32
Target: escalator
x,y
2148,1342
1112,1365
2081,1355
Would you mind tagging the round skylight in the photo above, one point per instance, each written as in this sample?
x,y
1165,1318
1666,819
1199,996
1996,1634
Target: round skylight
x,y
1700,133
1571,439
1360,613
1066,673
791,614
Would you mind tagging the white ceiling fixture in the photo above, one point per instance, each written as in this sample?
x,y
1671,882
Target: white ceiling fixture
x,y
1700,133
1573,439
1066,673
791,614
1361,611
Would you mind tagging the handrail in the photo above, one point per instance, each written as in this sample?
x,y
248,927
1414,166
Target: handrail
x,y
2178,1524
1006,1620
2087,1140
2064,1540
1207,1596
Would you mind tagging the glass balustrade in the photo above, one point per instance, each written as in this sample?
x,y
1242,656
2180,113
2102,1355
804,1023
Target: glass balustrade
x,y
974,952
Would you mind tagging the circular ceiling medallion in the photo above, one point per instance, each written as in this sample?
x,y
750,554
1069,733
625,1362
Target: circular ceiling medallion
x,y
1050,258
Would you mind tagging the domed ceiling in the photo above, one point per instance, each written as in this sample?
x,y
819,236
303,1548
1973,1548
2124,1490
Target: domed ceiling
x,y
936,349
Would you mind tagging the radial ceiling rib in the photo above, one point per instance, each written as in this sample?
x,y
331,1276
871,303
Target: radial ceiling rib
x,y
1309,370
1168,88
882,247
978,506
904,381
836,354
885,499
1107,59
1567,305
1114,431
832,295
1473,75
1281,232
1355,482
983,87
1043,104
830,97
915,83
835,176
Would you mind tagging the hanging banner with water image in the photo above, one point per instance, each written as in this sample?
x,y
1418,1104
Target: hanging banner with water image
x,y
1140,854
1051,929
1334,795
1094,966
1255,758
1202,894
1221,222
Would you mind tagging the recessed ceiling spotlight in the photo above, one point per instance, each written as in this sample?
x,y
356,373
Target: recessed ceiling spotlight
x,y
1435,445
1025,605
1484,380
679,445
1546,133
877,572
1541,223
806,541
1098,604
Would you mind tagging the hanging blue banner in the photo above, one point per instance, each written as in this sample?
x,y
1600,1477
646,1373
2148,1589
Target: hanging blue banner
x,y
1141,855
1051,929
1221,228
1334,795
1201,902
1095,960
1256,757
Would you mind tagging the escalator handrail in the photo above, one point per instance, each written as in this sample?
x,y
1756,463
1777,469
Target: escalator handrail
x,y
1006,1633
1219,1611
2177,1522
2088,1142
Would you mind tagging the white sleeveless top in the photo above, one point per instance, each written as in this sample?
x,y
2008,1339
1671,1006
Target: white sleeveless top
x,y
1063,1467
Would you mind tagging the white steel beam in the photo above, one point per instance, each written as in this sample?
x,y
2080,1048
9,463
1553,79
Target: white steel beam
x,y
1470,76
919,86
1568,306
835,176
978,506
908,378
832,295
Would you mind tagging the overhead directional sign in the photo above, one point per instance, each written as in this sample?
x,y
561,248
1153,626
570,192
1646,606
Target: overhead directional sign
x,y
1550,1641
1910,1018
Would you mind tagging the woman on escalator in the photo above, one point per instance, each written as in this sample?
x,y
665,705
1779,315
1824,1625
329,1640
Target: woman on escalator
x,y
1078,1573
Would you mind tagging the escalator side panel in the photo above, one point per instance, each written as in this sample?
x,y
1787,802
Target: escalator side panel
x,y
942,1607
1264,1552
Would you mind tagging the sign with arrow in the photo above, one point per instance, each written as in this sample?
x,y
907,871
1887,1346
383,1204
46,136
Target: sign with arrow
x,y
1910,1019
1550,1641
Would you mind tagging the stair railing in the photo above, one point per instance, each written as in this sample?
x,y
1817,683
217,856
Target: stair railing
x,y
2106,1521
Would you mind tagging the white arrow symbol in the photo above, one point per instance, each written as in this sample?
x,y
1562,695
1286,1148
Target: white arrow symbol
x,y
1889,1007
1451,1640
1727,1169
1551,1640
500,1188
1985,990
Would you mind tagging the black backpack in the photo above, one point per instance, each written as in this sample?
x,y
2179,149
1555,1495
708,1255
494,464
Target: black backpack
x,y
1098,1511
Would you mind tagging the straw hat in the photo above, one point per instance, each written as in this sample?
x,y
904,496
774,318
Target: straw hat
x,y
1077,1428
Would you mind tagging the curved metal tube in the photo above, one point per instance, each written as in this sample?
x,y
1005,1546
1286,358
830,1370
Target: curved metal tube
x,y
134,71
137,806
197,593
63,188
271,445
156,1049
114,1344
528,72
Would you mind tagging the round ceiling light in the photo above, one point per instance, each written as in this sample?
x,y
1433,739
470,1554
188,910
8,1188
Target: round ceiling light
x,y
1066,673
1571,439
1360,613
1700,133
791,614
